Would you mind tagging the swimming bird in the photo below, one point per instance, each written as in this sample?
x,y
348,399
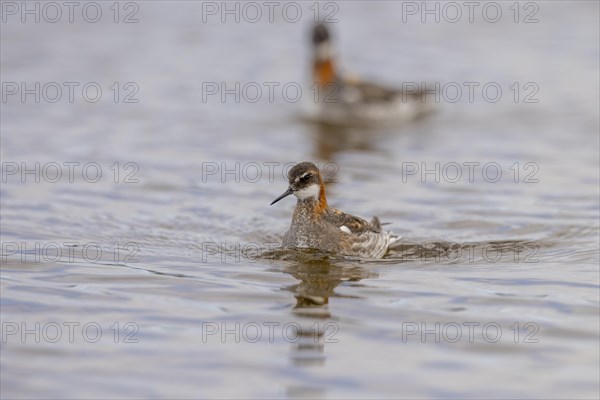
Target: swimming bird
x,y
315,225
342,100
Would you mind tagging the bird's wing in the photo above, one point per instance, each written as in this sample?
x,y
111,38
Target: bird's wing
x,y
363,238
369,92
351,223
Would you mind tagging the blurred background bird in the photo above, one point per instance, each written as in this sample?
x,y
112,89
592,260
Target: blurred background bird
x,y
345,100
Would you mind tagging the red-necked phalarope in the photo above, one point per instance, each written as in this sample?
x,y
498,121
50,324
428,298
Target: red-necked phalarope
x,y
315,225
342,100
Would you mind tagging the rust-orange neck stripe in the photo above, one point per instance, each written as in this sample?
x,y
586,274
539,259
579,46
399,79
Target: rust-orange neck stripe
x,y
322,199
324,72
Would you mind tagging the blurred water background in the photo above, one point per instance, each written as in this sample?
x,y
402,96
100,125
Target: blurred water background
x,y
516,257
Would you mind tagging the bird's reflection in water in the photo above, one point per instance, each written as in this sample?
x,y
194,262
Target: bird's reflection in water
x,y
304,392
316,324
332,139
318,282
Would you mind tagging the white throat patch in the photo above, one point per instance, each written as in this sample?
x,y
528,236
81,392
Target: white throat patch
x,y
311,191
323,51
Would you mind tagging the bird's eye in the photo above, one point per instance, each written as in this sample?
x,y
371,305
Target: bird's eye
x,y
305,178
